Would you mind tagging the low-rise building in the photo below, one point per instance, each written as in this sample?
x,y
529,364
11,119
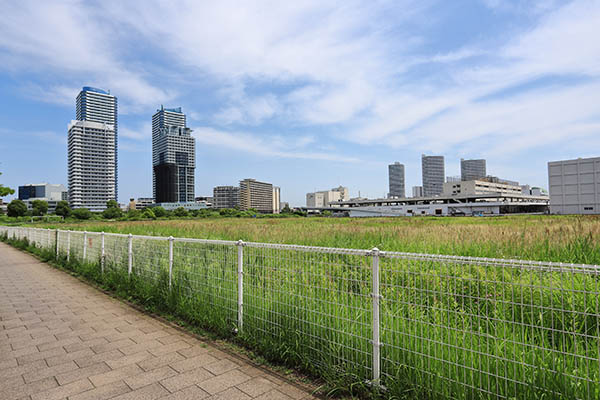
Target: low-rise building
x,y
574,186
190,205
323,198
43,191
226,197
256,195
477,187
143,202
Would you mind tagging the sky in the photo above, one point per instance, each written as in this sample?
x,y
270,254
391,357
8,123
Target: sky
x,y
307,95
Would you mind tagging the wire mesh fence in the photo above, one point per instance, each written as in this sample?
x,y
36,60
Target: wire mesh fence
x,y
428,326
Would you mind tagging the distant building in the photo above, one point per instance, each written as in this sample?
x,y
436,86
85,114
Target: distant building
x,y
283,204
396,180
173,157
208,199
132,205
453,179
256,195
188,205
143,202
417,191
574,186
471,170
43,191
276,199
479,187
98,105
323,198
92,164
226,197
433,173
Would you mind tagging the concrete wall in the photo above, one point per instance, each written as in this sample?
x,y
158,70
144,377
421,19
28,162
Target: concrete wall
x,y
574,186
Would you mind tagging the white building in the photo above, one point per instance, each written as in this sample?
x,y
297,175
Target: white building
x,y
276,199
92,165
323,198
574,186
476,187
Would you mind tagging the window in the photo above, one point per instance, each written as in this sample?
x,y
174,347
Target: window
x,y
588,208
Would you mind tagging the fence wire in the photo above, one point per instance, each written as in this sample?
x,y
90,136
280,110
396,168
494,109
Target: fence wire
x,y
448,326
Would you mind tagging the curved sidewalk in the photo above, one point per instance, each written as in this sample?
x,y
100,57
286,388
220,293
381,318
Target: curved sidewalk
x,y
60,338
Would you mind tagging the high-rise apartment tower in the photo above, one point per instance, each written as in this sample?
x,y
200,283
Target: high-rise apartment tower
x,y
396,178
92,150
257,195
433,173
98,105
173,157
471,170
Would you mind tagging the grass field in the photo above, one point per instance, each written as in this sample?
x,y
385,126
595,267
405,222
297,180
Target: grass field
x,y
450,329
573,239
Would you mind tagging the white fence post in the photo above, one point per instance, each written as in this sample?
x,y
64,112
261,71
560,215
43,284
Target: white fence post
x,y
102,252
84,244
240,247
376,297
171,239
57,233
49,241
130,254
68,245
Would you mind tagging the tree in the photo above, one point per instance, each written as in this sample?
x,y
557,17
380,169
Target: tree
x,y
40,207
286,209
180,212
159,211
16,208
5,190
112,204
148,213
112,212
133,214
62,208
82,213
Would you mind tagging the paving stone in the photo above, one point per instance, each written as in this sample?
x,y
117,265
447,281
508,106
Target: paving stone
x,y
161,361
103,392
61,392
224,381
221,366
146,378
82,373
46,372
186,379
189,393
150,392
127,360
256,386
273,395
231,394
115,375
192,363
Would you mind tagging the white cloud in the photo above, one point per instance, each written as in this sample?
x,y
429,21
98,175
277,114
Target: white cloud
x,y
143,132
274,146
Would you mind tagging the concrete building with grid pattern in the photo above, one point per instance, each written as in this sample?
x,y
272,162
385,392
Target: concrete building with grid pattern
x,y
433,174
471,170
173,157
91,165
226,197
98,105
396,180
257,195
574,186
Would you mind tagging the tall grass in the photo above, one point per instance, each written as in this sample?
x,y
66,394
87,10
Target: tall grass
x,y
550,238
449,329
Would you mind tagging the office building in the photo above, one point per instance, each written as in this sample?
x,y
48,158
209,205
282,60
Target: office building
x,y
143,202
276,199
43,191
433,173
479,187
417,191
173,157
324,197
98,105
574,186
471,170
226,197
256,195
92,166
396,180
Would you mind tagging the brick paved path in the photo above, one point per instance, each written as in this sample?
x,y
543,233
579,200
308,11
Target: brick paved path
x,y
60,338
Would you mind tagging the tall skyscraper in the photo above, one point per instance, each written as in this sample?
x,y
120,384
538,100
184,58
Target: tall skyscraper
x,y
98,105
471,170
173,157
396,178
92,150
433,173
92,165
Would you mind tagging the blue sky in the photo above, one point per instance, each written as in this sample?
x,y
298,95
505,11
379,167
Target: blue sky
x,y
306,94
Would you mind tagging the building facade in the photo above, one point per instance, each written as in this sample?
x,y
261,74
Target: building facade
x,y
479,187
173,157
257,195
396,180
324,197
226,197
417,191
471,170
276,199
574,186
92,166
98,105
433,173
43,191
